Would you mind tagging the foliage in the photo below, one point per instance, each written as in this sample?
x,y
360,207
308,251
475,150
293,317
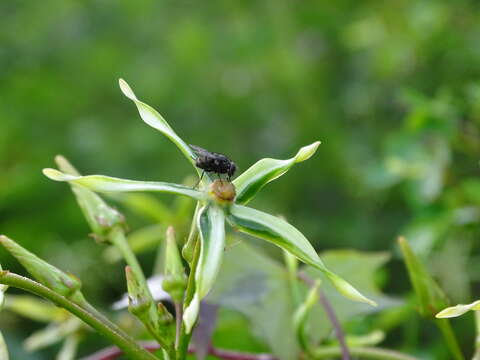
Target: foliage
x,y
390,89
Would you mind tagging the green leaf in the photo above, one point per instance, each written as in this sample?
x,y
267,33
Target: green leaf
x,y
458,310
69,348
155,120
53,278
147,206
139,241
249,183
430,297
361,269
301,315
211,225
257,286
102,183
52,334
284,235
34,308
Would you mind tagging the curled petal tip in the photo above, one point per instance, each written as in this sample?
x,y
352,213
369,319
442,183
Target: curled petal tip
x,y
52,174
59,157
306,152
126,89
57,175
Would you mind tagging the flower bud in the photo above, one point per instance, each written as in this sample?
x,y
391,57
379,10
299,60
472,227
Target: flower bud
x,y
139,302
62,283
100,216
164,318
175,281
222,192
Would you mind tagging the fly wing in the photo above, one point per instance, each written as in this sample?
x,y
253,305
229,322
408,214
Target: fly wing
x,y
199,151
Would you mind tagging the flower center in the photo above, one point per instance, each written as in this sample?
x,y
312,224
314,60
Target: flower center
x,y
222,191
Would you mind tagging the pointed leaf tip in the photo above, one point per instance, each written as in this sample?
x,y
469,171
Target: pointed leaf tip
x,y
65,166
347,290
307,152
458,310
57,175
250,182
126,89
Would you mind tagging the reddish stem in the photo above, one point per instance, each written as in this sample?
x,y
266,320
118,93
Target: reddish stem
x,y
331,315
112,353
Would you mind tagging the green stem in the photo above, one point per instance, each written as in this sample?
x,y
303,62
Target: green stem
x,y
450,339
3,348
127,344
184,338
117,237
362,352
178,322
476,356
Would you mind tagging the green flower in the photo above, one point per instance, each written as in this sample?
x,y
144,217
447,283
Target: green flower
x,y
219,201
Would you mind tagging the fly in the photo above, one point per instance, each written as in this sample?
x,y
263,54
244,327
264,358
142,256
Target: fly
x,y
213,162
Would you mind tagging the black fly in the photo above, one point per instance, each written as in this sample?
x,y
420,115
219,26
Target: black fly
x,y
213,162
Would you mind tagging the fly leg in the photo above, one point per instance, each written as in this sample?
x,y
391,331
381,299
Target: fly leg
x,y
198,182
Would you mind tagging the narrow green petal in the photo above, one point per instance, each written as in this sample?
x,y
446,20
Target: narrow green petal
x,y
249,183
284,235
155,120
211,225
102,183
458,310
190,314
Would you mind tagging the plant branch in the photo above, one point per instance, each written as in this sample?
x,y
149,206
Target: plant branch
x,y
184,338
331,316
178,322
117,237
476,356
450,339
112,353
363,352
127,344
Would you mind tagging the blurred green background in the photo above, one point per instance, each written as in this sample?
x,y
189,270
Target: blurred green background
x,y
391,89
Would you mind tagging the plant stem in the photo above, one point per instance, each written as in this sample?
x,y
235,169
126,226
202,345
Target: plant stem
x,y
117,237
178,322
362,352
127,344
184,338
331,316
112,353
3,348
450,339
476,356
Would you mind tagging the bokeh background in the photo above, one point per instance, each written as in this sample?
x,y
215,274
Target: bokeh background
x,y
390,88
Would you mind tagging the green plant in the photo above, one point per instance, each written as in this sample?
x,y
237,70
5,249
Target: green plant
x,y
217,201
